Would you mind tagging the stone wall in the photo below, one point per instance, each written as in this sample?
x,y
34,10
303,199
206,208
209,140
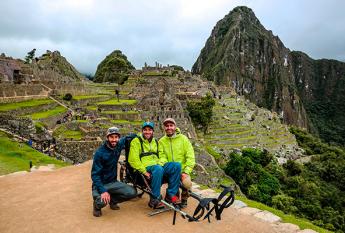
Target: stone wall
x,y
78,151
17,92
22,126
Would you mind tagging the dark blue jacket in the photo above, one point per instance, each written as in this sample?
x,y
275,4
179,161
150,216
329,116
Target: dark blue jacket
x,y
104,167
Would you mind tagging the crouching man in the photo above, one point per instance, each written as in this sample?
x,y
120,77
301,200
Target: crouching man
x,y
105,187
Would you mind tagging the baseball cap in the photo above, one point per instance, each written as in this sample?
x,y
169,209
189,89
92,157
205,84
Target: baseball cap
x,y
169,120
148,124
113,130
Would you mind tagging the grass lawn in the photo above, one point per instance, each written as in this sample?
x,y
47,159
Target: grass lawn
x,y
126,122
15,156
81,97
63,132
28,103
48,113
115,102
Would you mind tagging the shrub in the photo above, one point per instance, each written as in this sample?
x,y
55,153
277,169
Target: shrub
x,y
67,97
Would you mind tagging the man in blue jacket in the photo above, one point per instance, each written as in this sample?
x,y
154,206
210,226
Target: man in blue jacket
x,y
105,187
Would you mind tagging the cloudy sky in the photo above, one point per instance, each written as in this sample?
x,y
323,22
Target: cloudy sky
x,y
167,31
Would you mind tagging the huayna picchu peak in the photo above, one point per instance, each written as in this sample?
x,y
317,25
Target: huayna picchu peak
x,y
242,54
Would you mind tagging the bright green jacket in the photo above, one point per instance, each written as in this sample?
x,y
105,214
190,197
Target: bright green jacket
x,y
135,151
177,148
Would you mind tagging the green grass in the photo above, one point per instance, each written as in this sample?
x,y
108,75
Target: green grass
x,y
92,108
63,132
126,122
302,223
212,152
28,103
73,134
15,156
81,97
48,113
119,112
115,102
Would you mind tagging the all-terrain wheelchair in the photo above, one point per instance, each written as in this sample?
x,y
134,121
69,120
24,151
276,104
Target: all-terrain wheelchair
x,y
205,208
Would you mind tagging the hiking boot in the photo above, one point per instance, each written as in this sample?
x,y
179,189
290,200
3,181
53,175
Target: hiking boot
x,y
155,204
175,200
183,204
96,212
114,206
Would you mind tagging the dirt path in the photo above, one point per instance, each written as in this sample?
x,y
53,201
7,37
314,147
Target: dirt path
x,y
60,201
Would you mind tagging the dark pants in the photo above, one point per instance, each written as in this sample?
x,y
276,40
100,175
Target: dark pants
x,y
119,192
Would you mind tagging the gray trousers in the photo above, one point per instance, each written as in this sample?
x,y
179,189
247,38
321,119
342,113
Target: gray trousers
x,y
119,192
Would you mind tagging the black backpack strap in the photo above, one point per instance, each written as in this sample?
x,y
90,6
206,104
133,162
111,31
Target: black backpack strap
x,y
141,144
143,154
157,147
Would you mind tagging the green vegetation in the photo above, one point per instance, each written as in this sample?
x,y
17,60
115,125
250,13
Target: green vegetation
x,y
119,112
201,111
314,191
30,56
24,104
155,73
67,97
39,127
63,132
116,102
114,68
212,152
15,156
48,113
73,134
81,97
126,122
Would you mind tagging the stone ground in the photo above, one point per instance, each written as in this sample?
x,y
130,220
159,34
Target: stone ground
x,y
60,201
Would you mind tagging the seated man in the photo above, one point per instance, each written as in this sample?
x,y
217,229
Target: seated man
x,y
105,187
143,157
176,147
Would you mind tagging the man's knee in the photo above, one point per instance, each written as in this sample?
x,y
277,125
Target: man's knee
x,y
173,167
157,170
130,192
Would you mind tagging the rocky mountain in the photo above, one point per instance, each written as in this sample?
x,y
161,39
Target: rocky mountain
x,y
50,67
54,61
241,53
114,68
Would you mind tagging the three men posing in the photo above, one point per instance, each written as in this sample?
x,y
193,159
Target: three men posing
x,y
169,160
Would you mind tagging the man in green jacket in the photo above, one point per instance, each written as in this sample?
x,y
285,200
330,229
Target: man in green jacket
x,y
143,157
176,147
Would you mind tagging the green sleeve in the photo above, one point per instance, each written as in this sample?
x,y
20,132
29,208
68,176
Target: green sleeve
x,y
162,156
190,157
134,156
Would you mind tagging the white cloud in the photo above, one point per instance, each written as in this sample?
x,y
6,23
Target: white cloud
x,y
168,31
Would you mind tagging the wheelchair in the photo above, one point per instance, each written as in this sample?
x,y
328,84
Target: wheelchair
x,y
205,208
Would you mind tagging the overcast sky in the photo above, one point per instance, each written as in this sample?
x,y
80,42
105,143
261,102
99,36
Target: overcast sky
x,y
167,31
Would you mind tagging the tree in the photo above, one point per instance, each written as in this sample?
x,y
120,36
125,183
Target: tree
x,y
30,56
201,111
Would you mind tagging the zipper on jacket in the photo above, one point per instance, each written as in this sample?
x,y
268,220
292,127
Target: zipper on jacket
x,y
172,153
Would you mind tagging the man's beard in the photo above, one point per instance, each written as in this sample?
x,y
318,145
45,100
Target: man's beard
x,y
112,145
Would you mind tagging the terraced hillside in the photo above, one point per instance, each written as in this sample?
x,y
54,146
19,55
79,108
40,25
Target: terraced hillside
x,y
237,124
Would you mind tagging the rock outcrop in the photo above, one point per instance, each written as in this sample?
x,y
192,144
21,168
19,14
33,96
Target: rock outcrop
x,y
241,53
114,68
